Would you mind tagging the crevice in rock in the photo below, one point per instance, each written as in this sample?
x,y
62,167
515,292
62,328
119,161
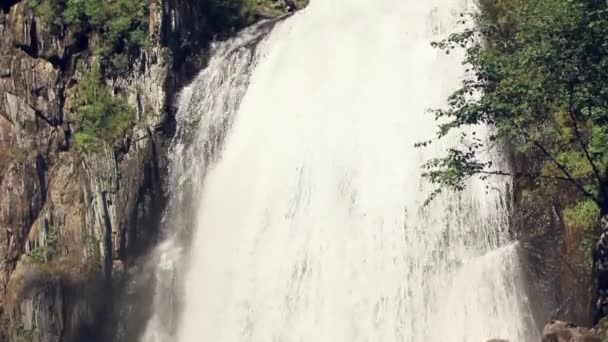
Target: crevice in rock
x,y
51,122
32,51
41,170
7,4
107,236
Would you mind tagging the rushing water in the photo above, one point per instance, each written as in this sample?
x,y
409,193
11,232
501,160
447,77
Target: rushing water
x,y
297,186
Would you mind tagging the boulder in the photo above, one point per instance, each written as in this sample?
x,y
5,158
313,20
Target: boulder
x,y
560,331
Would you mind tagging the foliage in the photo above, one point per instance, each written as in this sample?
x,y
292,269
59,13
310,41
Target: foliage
x,y
49,10
101,117
583,215
117,31
274,7
40,254
121,24
22,334
37,254
540,79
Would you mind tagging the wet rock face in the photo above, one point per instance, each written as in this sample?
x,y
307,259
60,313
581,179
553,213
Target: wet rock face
x,y
600,272
560,331
71,224
66,220
556,265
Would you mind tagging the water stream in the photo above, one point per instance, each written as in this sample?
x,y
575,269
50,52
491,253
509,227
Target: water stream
x,y
297,189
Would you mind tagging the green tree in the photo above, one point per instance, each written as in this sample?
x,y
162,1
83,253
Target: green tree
x,y
101,117
539,78
121,25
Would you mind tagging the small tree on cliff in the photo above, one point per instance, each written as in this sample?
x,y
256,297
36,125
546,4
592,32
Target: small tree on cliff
x,y
539,77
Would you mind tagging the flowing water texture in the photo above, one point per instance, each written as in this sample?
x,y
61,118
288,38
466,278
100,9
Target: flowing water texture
x,y
206,110
305,194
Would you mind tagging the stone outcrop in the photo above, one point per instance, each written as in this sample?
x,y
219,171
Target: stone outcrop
x,y
560,331
67,221
556,257
600,272
70,223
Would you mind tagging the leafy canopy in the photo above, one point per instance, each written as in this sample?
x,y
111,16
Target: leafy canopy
x,y
121,24
101,117
540,80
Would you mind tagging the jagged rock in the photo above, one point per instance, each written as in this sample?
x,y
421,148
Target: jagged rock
x,y
600,272
67,220
556,268
294,5
34,36
560,331
69,223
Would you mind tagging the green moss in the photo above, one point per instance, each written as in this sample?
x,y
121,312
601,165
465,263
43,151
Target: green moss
x,y
583,215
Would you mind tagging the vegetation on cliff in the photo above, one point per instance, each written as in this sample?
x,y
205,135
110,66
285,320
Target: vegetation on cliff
x,y
101,117
121,24
539,77
116,32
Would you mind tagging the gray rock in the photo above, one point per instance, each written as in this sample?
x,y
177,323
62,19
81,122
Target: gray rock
x,y
560,331
69,224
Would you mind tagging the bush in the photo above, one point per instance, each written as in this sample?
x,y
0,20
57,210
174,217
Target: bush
x,y
22,334
121,24
583,215
101,117
49,10
538,78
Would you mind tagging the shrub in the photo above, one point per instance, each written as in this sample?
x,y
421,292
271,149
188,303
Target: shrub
x,y
49,10
583,215
121,24
101,117
537,76
22,334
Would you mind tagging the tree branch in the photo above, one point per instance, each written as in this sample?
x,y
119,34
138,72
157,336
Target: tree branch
x,y
559,165
581,142
523,174
566,173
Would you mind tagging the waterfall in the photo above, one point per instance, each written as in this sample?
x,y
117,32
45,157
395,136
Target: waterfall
x,y
298,204
206,109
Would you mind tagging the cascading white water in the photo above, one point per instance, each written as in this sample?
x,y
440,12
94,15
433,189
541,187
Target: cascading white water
x,y
206,109
310,226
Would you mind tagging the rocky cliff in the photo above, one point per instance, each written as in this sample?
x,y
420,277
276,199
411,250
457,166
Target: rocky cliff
x,y
71,222
556,252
